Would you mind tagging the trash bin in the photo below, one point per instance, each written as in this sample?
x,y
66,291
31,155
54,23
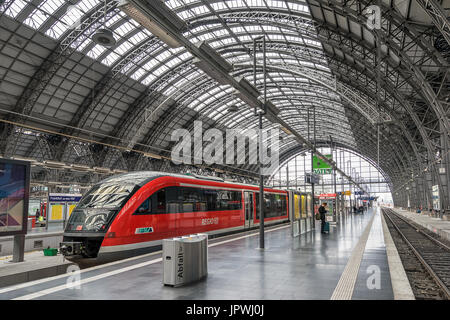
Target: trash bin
x,y
50,252
30,224
185,259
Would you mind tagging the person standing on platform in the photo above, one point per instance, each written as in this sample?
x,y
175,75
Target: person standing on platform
x,y
322,212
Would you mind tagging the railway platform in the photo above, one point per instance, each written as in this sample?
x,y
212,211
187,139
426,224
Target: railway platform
x,y
35,266
437,225
36,239
354,261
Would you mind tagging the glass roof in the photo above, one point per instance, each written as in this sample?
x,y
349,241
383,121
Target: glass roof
x,y
153,64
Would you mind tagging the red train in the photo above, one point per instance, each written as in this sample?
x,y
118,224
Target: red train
x,y
130,214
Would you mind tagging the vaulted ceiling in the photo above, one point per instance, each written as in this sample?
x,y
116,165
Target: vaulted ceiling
x,y
65,98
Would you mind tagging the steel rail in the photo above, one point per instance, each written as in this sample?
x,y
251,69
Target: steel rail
x,y
430,270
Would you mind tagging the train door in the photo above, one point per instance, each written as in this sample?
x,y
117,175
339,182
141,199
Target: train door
x,y
248,200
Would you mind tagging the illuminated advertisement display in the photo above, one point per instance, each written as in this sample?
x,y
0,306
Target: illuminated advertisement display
x,y
14,186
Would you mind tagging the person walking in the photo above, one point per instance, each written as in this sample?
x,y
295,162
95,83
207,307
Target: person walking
x,y
322,212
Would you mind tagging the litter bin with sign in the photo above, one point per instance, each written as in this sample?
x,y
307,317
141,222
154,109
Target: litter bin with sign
x,y
185,259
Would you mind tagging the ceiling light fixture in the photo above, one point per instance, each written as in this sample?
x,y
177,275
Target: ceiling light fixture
x,y
104,36
149,13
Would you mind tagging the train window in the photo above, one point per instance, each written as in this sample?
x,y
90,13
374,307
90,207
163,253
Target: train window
x,y
173,200
229,200
275,205
190,197
106,196
211,199
144,208
159,201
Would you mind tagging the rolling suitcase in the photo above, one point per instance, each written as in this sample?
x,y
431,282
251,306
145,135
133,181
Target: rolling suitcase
x,y
326,228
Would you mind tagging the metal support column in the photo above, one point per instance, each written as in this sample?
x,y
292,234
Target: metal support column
x,y
260,115
18,248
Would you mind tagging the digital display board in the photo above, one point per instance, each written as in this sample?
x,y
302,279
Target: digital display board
x,y
14,193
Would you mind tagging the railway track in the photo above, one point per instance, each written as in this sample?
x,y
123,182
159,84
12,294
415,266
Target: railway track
x,y
425,258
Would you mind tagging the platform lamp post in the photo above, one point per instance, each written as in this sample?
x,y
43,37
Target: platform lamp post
x,y
260,114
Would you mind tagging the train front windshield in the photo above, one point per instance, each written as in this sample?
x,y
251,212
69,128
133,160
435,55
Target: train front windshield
x,y
98,206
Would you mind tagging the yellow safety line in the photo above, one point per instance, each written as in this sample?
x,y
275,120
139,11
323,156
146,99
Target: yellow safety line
x,y
346,284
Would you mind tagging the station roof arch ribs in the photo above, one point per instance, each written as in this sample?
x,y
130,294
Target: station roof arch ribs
x,y
134,93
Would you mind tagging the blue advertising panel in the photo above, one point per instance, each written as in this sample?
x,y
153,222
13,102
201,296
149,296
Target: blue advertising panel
x,y
14,193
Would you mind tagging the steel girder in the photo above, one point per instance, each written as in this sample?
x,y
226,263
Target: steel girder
x,y
48,69
412,142
418,80
329,82
295,151
388,87
438,16
294,71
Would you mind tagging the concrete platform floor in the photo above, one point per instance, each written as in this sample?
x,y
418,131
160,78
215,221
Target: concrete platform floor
x,y
36,266
436,225
350,262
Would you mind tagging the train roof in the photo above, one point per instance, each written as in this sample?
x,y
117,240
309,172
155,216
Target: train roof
x,y
142,177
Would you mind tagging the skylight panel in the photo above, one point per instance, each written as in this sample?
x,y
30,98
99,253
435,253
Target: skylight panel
x,y
71,19
137,38
211,99
138,74
313,43
163,56
185,15
160,70
124,29
123,48
86,5
172,62
200,10
256,3
111,59
185,56
298,7
214,114
237,29
112,20
236,3
82,45
198,107
218,6
149,79
277,4
206,36
172,4
243,38
96,51
16,7
36,19
149,65
43,12
220,32
216,44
